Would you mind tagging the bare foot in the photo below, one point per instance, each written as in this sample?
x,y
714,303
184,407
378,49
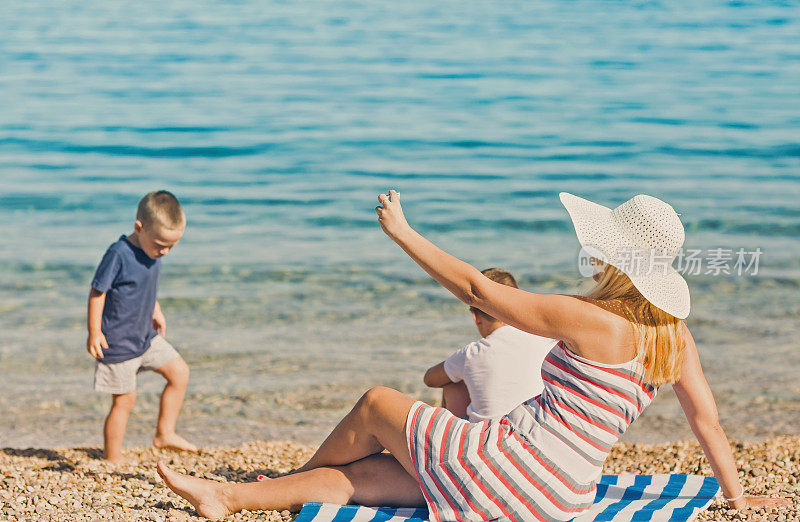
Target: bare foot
x,y
116,461
204,495
173,441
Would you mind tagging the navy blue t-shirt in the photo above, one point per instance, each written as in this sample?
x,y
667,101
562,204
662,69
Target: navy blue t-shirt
x,y
129,278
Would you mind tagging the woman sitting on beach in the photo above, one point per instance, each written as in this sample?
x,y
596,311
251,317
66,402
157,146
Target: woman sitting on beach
x,y
543,460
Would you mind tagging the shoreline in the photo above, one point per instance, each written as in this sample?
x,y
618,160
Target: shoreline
x,y
74,484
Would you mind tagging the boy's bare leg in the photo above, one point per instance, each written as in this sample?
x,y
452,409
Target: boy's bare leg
x,y
114,427
378,480
375,423
455,397
176,372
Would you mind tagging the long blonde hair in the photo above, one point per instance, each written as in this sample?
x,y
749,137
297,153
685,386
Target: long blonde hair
x,y
659,335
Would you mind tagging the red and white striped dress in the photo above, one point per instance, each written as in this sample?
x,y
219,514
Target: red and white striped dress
x,y
541,461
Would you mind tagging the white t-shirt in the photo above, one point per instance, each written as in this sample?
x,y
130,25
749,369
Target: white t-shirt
x,y
501,371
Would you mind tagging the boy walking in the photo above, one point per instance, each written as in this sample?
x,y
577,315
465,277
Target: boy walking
x,y
127,327
490,377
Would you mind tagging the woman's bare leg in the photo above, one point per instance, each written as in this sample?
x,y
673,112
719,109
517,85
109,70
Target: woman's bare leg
x,y
345,467
374,481
375,423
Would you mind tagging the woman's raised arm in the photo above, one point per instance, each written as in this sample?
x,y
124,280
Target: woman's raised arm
x,y
700,409
546,315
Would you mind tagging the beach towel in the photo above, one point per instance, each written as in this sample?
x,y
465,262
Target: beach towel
x,y
657,498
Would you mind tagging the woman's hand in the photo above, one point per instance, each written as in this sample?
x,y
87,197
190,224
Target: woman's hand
x,y
390,214
759,502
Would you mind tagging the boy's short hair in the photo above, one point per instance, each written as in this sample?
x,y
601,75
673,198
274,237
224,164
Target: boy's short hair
x,y
497,275
160,208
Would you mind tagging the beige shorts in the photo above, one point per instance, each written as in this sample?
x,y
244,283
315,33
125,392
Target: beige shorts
x,y
119,378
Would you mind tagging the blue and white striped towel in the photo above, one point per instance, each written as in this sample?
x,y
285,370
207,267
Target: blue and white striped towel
x,y
619,498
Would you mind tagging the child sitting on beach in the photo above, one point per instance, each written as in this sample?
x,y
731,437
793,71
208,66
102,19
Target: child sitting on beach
x,y
126,325
490,377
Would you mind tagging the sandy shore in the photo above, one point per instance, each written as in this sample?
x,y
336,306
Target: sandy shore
x,y
73,484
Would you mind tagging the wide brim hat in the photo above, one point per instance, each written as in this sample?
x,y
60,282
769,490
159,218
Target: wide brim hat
x,y
641,238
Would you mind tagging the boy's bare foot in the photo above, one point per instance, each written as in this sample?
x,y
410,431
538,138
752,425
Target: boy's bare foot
x,y
117,461
204,495
173,441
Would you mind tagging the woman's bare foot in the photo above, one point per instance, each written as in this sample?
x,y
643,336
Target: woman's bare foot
x,y
173,441
206,496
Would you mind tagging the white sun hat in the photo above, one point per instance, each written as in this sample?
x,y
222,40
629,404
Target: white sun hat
x,y
641,237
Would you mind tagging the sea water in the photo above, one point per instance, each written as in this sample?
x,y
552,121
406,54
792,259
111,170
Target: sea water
x,y
278,123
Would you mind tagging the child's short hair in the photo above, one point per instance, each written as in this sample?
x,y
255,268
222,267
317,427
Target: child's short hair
x,y
497,275
161,208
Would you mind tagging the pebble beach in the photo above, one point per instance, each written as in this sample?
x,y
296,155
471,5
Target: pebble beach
x,y
74,484
277,123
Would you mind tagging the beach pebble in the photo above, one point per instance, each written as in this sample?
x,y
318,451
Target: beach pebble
x,y
77,487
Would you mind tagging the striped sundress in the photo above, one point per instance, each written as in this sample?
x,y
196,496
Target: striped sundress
x,y
543,460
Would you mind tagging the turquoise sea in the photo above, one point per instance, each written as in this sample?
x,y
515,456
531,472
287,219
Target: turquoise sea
x,y
277,124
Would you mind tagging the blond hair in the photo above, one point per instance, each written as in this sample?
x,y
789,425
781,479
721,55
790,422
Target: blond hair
x,y
659,335
498,275
160,208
